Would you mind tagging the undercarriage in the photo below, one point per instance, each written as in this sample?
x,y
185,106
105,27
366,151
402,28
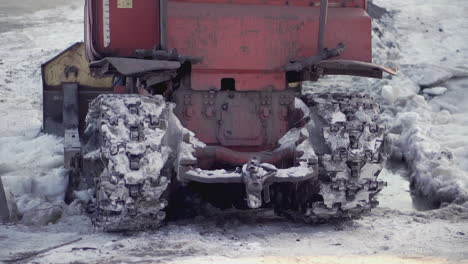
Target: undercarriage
x,y
326,168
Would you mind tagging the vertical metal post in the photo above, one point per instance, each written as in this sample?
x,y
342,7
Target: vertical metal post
x,y
322,26
131,85
163,24
70,110
4,211
71,123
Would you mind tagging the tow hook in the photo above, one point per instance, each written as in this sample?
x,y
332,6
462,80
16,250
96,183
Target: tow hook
x,y
255,175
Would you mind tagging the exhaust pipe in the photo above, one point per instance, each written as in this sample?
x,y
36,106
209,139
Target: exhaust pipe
x,y
322,26
163,24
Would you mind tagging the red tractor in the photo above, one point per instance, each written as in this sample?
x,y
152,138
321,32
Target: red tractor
x,y
205,97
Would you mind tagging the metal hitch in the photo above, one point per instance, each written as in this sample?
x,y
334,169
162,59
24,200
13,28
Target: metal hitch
x,y
256,176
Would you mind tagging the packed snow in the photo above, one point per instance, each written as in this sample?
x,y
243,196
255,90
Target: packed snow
x,y
428,128
424,109
31,163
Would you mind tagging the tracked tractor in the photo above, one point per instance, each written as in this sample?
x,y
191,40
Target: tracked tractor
x,y
168,102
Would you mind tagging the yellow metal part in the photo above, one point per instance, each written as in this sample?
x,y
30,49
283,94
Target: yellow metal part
x,y
74,58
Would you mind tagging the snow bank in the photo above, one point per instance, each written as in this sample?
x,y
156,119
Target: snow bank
x,y
428,132
436,175
31,164
32,173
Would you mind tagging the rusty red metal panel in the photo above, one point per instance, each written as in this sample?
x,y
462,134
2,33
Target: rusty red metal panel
x,y
244,80
246,40
252,43
132,24
252,120
332,3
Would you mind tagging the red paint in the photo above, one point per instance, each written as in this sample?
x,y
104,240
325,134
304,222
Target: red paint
x,y
120,89
130,28
248,40
331,3
253,43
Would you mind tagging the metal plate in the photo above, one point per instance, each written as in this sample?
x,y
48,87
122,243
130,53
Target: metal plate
x,y
123,27
106,22
125,4
251,45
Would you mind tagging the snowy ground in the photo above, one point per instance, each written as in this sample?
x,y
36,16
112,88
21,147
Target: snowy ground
x,y
426,40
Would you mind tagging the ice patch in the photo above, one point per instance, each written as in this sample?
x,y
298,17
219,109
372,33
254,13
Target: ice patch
x,y
426,131
390,93
427,75
435,173
33,176
39,199
435,91
42,215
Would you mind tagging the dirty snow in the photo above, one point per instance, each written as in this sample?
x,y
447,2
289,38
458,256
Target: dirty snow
x,y
425,40
229,236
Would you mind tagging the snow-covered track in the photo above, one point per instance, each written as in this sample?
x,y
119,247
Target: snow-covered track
x,y
350,150
126,137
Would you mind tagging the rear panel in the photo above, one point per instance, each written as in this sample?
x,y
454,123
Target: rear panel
x,y
246,42
331,3
252,43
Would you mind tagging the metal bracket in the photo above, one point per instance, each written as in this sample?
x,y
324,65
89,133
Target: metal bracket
x,y
71,69
71,144
131,66
311,61
312,68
